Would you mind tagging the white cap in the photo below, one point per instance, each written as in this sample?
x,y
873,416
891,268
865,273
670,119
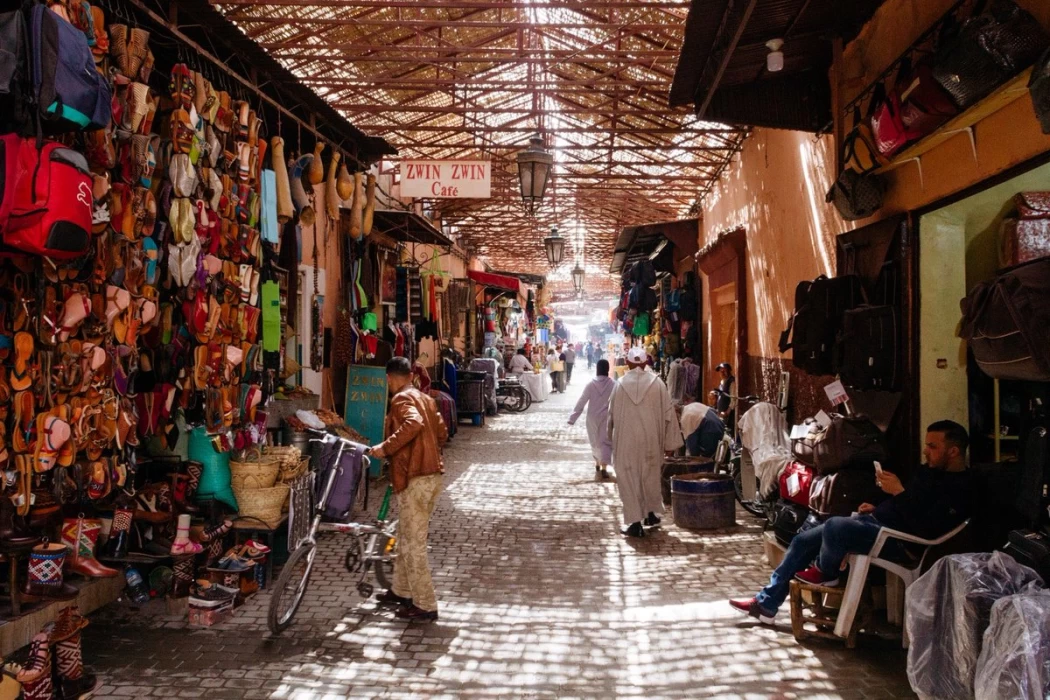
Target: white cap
x,y
637,355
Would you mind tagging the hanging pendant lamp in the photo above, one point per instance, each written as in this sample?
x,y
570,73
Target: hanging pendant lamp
x,y
534,167
554,245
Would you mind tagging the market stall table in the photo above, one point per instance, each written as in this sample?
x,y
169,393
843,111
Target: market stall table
x,y
538,384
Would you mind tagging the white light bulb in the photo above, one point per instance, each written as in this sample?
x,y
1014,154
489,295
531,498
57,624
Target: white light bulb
x,y
775,59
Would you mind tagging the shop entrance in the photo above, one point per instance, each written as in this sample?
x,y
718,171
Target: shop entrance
x,y
723,325
725,308
958,248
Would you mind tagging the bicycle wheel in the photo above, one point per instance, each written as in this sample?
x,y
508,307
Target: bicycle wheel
x,y
528,399
385,567
291,586
755,508
512,402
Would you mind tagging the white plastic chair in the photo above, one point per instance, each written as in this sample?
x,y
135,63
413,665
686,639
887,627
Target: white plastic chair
x,y
896,585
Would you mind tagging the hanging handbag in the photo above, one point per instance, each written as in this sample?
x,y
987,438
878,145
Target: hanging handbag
x,y
859,152
856,195
924,103
1039,91
886,124
980,55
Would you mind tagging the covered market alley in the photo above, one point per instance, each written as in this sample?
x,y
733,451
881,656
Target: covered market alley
x,y
527,348
541,598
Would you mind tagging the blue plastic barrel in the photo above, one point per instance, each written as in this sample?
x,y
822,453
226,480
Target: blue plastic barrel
x,y
677,466
703,501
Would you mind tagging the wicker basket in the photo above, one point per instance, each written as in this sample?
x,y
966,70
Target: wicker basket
x,y
257,471
288,475
266,504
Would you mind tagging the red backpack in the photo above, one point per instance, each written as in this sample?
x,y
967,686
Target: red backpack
x,y
48,192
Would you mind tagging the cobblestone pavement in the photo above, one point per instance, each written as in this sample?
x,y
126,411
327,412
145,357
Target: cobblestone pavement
x,y
540,598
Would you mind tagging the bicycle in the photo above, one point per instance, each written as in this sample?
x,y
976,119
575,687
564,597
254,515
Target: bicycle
x,y
729,457
512,395
373,547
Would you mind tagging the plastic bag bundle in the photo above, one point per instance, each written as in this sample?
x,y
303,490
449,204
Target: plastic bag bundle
x,y
948,612
1015,658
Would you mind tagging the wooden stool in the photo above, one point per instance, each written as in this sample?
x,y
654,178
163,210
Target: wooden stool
x,y
819,616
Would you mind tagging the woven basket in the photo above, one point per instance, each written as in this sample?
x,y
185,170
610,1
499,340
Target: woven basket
x,y
257,472
290,474
266,504
288,456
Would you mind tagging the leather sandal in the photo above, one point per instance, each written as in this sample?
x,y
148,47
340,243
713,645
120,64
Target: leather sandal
x,y
20,375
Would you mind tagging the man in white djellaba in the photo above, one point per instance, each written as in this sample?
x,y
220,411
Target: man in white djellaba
x,y
644,428
596,400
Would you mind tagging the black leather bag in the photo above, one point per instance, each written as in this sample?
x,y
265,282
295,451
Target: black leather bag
x,y
1034,481
868,348
980,55
788,520
1039,90
1006,322
857,196
850,441
814,326
843,492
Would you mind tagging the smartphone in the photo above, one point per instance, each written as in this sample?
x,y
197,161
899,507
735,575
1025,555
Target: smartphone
x,y
878,472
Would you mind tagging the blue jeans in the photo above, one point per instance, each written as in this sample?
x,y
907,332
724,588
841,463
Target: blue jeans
x,y
828,544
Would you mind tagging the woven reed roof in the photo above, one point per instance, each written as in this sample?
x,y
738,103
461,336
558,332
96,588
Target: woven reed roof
x,y
466,79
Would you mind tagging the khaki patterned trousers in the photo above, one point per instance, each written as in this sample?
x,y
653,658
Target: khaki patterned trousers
x,y
412,571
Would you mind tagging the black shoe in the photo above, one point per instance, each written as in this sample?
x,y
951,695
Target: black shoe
x,y
605,473
633,530
651,520
414,614
391,598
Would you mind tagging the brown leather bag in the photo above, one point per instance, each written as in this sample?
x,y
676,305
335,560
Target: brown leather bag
x,y
1006,321
1026,237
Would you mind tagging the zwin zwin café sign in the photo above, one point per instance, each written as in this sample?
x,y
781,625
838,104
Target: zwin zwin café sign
x,y
446,179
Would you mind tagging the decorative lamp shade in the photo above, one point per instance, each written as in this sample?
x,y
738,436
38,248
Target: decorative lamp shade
x,y
577,278
534,167
555,247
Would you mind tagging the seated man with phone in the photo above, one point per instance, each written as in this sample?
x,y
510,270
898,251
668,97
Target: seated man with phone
x,y
937,499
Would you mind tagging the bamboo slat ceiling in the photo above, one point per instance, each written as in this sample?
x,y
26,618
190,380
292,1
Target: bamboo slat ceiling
x,y
465,79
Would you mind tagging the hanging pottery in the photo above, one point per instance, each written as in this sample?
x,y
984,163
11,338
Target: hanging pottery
x,y
316,172
358,206
370,205
344,184
331,197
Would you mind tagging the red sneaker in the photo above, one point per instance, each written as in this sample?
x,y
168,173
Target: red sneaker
x,y
752,608
813,575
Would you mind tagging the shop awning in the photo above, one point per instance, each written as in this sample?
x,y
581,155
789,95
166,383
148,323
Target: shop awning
x,y
409,227
648,240
491,279
722,67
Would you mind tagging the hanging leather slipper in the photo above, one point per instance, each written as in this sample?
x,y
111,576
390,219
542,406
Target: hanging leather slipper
x,y
20,376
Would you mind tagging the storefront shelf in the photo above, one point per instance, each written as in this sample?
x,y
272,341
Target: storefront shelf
x,y
94,594
1012,90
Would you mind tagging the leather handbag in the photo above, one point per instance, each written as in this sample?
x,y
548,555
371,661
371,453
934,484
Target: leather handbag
x,y
857,196
1039,91
1026,236
886,124
924,103
850,441
859,151
1006,321
977,57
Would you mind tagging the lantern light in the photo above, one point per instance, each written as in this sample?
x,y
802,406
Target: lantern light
x,y
534,166
577,279
554,245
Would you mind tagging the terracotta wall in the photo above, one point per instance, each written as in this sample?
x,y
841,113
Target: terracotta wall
x,y
775,191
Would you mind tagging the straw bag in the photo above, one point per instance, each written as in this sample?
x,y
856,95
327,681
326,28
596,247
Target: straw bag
x,y
290,461
259,472
266,504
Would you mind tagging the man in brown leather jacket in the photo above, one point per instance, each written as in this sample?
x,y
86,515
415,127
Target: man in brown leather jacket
x,y
415,435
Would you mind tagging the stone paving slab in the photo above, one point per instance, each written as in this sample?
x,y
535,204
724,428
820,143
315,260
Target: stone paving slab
x,y
540,598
